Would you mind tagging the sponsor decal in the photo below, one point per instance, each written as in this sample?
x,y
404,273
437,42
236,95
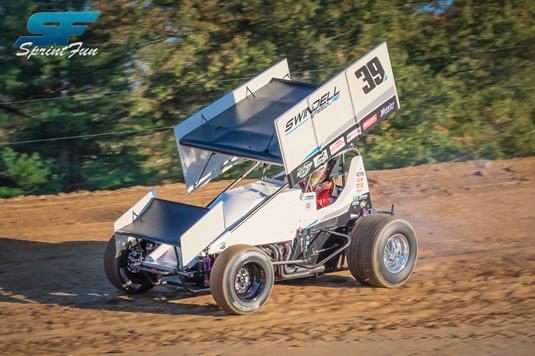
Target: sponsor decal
x,y
309,196
321,159
296,121
309,112
304,169
372,120
363,203
354,134
388,108
360,179
310,200
360,185
54,29
337,145
363,197
360,174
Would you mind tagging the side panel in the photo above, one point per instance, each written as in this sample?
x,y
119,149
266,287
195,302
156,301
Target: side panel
x,y
275,222
200,166
202,233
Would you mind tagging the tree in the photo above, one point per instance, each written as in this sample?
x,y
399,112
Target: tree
x,y
465,77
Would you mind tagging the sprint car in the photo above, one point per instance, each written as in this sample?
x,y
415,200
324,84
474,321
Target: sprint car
x,y
308,212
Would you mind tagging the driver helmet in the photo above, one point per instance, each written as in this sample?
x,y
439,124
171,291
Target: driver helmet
x,y
318,176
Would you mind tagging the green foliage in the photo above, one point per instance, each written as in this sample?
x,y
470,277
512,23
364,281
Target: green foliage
x,y
466,81
23,173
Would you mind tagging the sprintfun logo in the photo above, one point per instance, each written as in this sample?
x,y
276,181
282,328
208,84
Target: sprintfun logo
x,y
53,30
310,111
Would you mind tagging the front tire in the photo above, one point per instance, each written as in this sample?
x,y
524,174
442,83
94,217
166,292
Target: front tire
x,y
124,278
241,279
383,251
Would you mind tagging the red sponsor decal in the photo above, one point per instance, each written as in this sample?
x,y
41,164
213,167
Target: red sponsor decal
x,y
337,145
372,120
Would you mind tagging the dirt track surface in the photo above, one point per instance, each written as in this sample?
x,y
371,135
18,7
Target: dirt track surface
x,y
472,290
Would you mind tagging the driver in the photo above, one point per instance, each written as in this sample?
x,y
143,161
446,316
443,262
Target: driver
x,y
320,183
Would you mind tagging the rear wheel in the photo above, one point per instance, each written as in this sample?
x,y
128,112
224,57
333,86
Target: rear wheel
x,y
383,251
241,279
121,272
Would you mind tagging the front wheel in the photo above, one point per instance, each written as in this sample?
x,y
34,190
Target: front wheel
x,y
121,272
383,251
241,279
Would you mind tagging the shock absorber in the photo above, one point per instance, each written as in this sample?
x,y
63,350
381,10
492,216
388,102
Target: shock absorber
x,y
207,267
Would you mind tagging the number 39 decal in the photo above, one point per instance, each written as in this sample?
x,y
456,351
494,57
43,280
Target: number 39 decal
x,y
374,74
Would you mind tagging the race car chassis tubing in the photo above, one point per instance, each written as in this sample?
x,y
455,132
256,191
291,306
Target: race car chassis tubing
x,y
285,267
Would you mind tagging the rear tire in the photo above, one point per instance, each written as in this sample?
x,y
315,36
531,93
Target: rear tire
x,y
120,275
383,251
241,279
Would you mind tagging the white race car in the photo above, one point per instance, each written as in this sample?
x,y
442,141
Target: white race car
x,y
314,216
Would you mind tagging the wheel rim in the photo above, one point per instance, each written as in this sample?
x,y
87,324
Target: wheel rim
x,y
130,275
249,281
396,253
133,258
